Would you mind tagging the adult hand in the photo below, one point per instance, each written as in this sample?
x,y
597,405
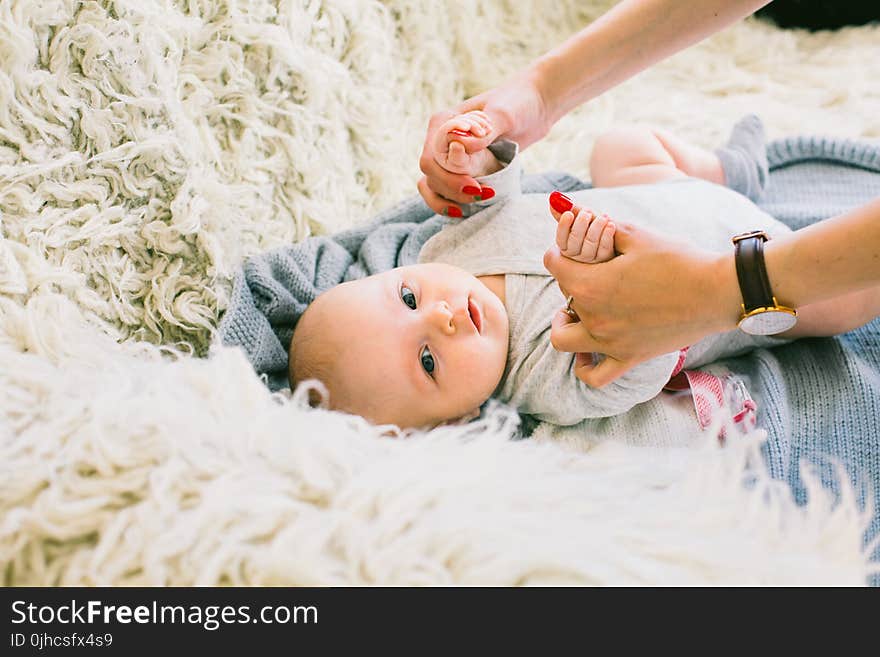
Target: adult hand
x,y
628,38
658,295
515,110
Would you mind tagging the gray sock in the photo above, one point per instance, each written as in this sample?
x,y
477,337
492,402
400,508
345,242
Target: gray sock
x,y
744,158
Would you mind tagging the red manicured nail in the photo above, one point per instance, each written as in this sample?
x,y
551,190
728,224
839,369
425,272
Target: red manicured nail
x,y
560,202
487,193
460,133
453,211
470,190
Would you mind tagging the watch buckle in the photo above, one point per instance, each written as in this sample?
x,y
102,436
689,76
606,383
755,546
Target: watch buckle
x,y
751,233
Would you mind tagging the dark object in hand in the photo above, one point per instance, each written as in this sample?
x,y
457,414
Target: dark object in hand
x,y
821,14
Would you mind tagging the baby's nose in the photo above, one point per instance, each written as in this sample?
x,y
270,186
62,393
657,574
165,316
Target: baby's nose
x,y
442,317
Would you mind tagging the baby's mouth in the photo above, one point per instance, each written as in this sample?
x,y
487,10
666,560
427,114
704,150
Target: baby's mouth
x,y
474,313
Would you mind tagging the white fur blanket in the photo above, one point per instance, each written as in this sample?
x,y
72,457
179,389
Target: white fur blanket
x,y
147,146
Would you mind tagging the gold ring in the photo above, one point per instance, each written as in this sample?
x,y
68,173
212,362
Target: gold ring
x,y
568,309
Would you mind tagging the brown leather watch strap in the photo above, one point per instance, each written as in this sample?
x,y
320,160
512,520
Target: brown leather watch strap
x,y
751,272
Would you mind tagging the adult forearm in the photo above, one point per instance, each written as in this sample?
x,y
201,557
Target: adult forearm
x,y
831,258
828,259
630,37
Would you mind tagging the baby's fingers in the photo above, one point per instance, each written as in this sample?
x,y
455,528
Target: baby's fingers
x,y
577,237
457,157
563,230
606,243
480,125
594,234
474,123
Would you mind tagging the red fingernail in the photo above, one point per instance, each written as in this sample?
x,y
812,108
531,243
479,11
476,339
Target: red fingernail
x,y
453,211
487,193
460,133
470,190
560,202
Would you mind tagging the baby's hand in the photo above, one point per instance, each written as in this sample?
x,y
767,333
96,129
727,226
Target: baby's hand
x,y
450,153
585,237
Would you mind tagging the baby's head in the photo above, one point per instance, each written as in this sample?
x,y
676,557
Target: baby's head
x,y
414,346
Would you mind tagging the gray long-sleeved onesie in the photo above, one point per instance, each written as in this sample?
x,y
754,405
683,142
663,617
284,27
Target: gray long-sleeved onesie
x,y
509,234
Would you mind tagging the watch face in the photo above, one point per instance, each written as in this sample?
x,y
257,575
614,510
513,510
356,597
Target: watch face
x,y
768,322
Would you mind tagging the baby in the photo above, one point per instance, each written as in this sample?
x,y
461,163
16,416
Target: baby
x,y
430,343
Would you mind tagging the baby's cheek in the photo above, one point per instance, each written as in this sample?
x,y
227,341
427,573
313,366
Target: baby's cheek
x,y
485,363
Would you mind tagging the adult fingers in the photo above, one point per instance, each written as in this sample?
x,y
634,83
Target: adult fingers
x,y
601,374
560,203
436,202
569,273
569,334
444,183
628,237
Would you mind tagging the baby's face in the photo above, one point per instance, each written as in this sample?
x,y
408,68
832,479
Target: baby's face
x,y
418,345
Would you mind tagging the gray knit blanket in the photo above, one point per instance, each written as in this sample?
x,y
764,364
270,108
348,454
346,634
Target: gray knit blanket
x,y
819,398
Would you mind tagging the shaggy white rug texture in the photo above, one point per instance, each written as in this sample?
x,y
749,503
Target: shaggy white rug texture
x,y
148,146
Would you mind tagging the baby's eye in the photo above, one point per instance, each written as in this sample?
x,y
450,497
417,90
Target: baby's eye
x,y
408,296
427,359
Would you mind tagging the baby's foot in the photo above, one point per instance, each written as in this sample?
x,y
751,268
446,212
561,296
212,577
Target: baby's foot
x,y
744,158
585,237
450,153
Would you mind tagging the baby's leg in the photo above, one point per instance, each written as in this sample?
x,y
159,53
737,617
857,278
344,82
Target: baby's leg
x,y
636,155
630,156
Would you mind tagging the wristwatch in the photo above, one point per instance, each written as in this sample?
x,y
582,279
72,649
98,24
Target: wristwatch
x,y
761,313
